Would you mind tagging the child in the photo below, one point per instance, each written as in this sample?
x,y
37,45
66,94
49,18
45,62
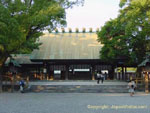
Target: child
x,y
131,86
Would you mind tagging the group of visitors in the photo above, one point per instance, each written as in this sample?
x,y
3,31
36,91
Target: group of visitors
x,y
101,77
131,84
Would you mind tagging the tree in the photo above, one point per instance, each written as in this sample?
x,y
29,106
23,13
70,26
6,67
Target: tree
x,y
22,22
114,40
137,13
128,35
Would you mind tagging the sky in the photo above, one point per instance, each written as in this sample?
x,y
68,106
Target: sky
x,y
94,14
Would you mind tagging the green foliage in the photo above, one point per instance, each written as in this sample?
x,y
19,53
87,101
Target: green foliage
x,y
22,22
8,28
112,36
122,3
128,35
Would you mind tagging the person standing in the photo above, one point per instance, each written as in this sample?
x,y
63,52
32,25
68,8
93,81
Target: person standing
x,y
102,78
22,84
98,77
131,86
105,76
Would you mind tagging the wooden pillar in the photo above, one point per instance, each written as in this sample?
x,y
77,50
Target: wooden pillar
x,y
122,72
67,72
51,74
125,74
27,81
12,83
111,73
119,75
44,71
48,72
39,72
93,72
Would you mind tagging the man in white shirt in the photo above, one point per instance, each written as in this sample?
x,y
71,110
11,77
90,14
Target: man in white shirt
x,y
98,77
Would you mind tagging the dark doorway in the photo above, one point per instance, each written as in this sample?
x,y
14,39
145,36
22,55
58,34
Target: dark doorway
x,y
80,74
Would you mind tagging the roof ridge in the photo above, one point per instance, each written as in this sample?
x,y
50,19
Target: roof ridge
x,y
77,30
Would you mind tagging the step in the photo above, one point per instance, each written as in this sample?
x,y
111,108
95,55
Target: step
x,y
79,88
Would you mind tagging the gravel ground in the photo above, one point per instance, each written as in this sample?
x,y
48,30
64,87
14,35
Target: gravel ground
x,y
74,103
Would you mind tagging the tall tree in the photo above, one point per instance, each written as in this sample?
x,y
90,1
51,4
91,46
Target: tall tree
x,y
128,35
137,13
22,22
113,37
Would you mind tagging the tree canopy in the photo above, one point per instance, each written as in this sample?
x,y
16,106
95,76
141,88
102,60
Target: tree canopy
x,y
22,22
128,35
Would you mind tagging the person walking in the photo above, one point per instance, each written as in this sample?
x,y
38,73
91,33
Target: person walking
x,y
105,76
22,84
102,78
131,86
98,77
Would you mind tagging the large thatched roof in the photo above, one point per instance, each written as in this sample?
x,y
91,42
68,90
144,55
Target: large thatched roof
x,y
68,46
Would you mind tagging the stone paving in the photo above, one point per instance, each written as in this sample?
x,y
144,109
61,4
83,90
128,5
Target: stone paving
x,y
74,103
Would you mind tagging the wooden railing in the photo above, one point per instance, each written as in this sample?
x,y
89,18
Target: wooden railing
x,y
10,78
139,81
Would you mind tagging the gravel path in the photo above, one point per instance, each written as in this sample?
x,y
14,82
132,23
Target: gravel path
x,y
74,103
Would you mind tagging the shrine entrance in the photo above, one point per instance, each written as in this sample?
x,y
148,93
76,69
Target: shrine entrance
x,y
78,70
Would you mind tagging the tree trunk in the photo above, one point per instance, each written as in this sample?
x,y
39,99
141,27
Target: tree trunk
x,y
2,63
1,76
0,81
